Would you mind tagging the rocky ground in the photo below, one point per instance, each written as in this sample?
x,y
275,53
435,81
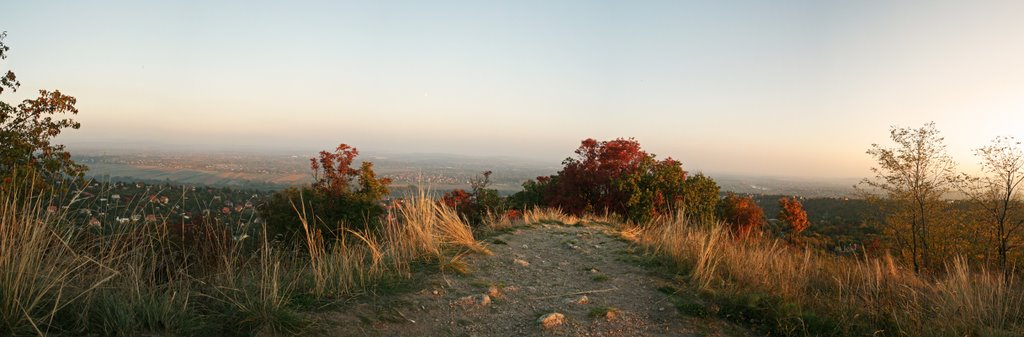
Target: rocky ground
x,y
545,279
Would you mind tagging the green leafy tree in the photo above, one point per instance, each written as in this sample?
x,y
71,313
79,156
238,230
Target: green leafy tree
x,y
27,131
532,194
700,197
654,187
371,187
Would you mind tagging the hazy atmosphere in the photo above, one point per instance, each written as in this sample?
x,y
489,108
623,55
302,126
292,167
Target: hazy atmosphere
x,y
512,168
787,88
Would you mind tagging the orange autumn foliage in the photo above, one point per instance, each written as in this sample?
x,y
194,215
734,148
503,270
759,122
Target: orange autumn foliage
x,y
792,212
742,214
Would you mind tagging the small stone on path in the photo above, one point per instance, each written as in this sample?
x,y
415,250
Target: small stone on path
x,y
521,262
476,300
551,320
493,291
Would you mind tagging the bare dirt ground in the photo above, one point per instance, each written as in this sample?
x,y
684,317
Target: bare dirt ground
x,y
534,271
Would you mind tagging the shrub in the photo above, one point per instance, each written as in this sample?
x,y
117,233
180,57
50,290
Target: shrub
x,y
533,193
742,214
332,199
332,213
617,177
478,205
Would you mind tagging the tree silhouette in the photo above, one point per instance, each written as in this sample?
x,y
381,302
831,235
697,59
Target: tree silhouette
x,y
912,177
997,192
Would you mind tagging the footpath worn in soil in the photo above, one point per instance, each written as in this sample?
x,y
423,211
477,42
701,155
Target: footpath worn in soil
x,y
588,276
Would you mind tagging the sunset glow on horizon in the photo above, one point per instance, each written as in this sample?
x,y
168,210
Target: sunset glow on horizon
x,y
788,88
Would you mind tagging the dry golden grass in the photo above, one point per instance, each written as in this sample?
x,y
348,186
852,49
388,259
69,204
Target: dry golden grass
x,y
539,215
57,278
855,296
419,228
40,272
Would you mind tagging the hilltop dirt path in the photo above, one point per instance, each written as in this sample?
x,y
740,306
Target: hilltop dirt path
x,y
534,271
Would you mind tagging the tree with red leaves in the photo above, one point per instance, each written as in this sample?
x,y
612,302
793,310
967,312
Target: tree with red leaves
x,y
615,176
792,213
742,214
586,183
333,172
476,205
458,199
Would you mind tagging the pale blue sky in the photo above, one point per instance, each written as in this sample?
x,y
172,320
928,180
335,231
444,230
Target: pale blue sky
x,y
791,88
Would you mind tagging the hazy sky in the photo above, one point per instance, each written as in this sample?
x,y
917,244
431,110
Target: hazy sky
x,y
790,88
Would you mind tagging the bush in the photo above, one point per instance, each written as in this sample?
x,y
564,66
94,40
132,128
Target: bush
x,y
618,177
331,201
742,214
333,213
478,205
700,197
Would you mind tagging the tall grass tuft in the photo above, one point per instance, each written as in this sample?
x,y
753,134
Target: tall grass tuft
x,y
542,215
258,299
417,229
41,274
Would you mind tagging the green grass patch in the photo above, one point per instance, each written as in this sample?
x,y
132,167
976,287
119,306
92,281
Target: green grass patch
x,y
772,314
600,312
691,307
